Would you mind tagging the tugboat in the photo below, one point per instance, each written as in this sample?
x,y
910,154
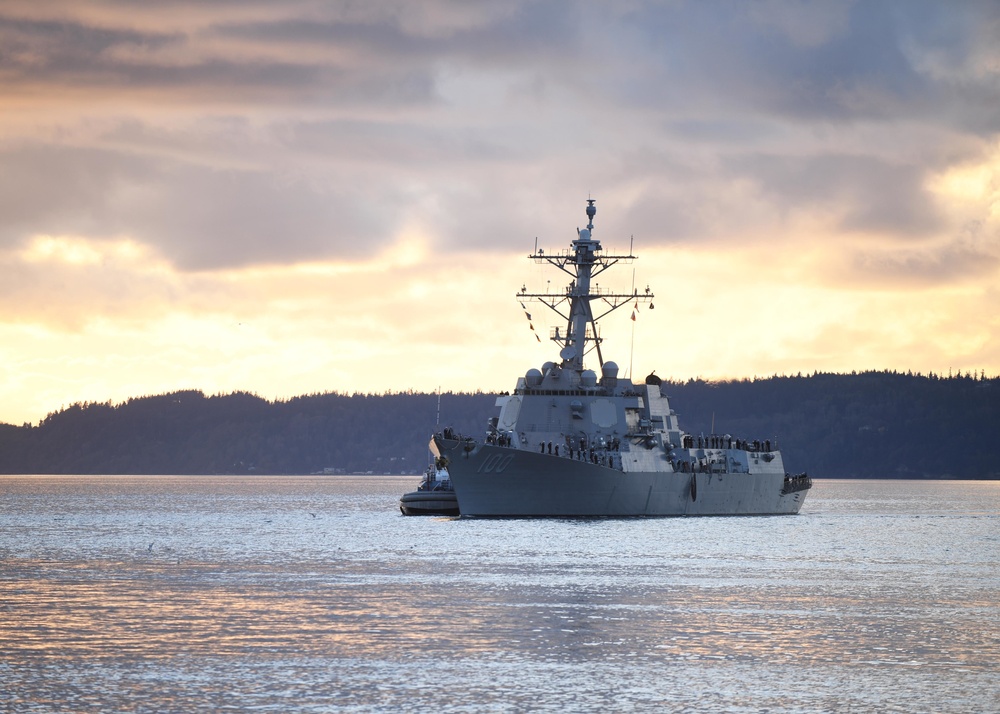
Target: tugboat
x,y
570,443
434,496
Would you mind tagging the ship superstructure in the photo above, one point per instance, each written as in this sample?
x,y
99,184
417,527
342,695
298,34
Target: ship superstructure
x,y
571,442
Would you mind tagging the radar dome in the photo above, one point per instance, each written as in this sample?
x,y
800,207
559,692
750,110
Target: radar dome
x,y
588,378
533,377
547,367
610,369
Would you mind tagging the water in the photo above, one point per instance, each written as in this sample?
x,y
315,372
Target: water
x,y
312,594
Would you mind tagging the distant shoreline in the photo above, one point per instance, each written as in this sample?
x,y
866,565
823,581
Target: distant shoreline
x,y
855,426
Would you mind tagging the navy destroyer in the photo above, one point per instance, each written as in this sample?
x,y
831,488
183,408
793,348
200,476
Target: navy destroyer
x,y
569,442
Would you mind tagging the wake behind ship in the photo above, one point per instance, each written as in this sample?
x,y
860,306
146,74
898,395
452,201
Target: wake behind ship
x,y
568,442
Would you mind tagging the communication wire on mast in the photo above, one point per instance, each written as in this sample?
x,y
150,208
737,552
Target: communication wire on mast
x,y
437,425
631,349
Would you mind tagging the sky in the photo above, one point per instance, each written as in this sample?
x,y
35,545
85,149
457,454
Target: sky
x,y
305,197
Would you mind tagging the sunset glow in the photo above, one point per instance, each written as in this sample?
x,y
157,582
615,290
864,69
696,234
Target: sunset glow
x,y
295,198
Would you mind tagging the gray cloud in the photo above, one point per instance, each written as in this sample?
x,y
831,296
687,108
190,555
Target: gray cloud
x,y
193,65
340,124
921,268
881,59
733,57
213,219
863,192
50,189
197,216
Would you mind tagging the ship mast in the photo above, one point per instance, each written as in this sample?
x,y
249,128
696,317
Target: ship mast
x,y
583,262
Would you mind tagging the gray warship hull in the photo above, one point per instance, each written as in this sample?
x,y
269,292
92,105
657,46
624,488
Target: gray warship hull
x,y
493,481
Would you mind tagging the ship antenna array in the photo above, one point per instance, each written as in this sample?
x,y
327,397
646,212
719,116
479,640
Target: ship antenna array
x,y
576,304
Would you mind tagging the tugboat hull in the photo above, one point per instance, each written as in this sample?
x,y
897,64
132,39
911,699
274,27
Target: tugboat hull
x,y
429,503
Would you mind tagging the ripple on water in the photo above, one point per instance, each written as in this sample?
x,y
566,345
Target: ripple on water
x,y
173,594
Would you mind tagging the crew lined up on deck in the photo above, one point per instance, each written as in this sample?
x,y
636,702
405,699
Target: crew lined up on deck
x,y
713,441
717,441
604,453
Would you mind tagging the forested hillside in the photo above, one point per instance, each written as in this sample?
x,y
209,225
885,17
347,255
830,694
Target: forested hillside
x,y
189,433
869,425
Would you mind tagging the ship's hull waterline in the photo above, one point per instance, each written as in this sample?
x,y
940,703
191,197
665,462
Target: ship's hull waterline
x,y
493,481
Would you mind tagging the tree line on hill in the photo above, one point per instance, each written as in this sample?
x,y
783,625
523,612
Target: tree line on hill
x,y
866,425
880,424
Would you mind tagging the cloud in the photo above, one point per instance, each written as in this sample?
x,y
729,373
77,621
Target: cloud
x,y
188,164
859,193
92,320
974,255
197,216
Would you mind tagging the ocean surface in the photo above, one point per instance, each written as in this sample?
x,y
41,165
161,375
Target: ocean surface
x,y
313,594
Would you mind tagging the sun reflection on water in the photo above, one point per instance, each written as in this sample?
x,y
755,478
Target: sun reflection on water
x,y
145,589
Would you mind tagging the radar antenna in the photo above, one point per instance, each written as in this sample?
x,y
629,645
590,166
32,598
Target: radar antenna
x,y
582,262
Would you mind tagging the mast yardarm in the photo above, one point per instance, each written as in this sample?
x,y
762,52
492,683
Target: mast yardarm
x,y
583,262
